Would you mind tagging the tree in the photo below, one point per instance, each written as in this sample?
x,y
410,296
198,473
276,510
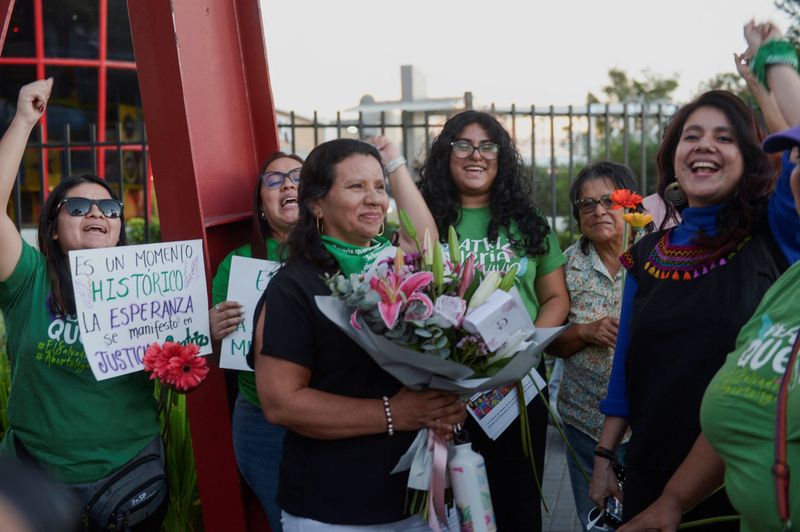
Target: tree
x,y
792,9
729,81
651,88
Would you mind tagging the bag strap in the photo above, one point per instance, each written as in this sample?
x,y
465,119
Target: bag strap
x,y
781,468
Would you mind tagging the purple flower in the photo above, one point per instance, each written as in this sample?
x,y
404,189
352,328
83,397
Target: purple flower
x,y
450,310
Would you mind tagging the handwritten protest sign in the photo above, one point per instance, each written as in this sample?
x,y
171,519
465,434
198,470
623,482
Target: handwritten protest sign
x,y
128,297
246,283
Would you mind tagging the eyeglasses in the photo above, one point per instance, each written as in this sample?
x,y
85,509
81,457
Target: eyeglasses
x,y
463,149
587,205
275,179
110,208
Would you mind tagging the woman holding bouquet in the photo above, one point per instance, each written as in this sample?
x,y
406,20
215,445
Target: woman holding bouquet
x,y
79,430
690,290
474,180
348,421
258,443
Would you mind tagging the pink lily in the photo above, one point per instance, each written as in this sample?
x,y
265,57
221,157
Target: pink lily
x,y
467,275
427,304
354,320
395,291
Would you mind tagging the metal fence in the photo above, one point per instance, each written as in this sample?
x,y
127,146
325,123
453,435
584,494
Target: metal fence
x,y
124,164
554,142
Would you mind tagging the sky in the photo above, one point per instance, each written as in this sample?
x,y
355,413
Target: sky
x,y
324,55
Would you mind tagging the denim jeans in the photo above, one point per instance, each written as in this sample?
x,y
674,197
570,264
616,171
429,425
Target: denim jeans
x,y
584,446
414,523
258,445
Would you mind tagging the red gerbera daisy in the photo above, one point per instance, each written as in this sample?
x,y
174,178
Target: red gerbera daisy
x,y
625,199
186,370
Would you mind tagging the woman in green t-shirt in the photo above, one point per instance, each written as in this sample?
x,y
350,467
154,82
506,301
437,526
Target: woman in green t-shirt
x,y
474,180
257,443
81,431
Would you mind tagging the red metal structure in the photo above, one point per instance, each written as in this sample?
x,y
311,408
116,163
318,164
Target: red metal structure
x,y
210,120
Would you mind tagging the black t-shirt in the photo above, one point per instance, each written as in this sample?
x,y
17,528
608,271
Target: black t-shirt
x,y
344,481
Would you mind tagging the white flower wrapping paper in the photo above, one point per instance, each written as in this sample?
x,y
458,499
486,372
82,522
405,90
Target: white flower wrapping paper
x,y
420,371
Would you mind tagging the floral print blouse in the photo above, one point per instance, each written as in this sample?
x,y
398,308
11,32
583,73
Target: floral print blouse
x,y
593,294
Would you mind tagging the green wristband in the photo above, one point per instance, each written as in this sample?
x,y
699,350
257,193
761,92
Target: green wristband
x,y
773,53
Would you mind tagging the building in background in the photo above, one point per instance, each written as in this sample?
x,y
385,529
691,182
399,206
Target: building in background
x,y
95,108
413,120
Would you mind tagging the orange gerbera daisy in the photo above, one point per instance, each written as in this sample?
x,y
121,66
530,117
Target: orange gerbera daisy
x,y
625,199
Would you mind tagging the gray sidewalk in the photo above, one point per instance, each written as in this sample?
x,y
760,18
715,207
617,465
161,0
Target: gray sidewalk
x,y
556,487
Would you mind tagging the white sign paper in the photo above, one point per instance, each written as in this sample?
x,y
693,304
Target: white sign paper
x,y
495,410
128,297
247,281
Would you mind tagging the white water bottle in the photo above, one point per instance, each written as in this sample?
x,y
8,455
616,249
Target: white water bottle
x,y
471,490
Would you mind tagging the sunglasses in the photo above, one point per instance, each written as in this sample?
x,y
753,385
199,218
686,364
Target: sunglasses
x,y
463,149
110,208
587,205
275,179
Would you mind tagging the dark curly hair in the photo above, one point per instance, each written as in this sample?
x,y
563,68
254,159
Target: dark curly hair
x,y
62,300
316,180
617,175
746,208
511,193
260,229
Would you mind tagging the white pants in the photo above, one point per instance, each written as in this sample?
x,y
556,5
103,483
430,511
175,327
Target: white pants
x,y
411,524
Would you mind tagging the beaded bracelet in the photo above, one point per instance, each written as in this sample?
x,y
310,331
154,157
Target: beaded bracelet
x,y
388,411
773,53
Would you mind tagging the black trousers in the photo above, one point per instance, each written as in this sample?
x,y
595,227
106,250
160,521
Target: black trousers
x,y
643,487
515,498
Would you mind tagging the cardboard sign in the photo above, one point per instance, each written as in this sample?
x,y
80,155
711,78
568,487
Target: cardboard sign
x,y
128,297
247,281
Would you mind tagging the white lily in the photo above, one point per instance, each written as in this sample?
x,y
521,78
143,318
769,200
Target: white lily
x,y
486,288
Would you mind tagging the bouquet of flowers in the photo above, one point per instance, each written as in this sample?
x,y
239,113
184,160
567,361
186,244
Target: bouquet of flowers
x,y
436,321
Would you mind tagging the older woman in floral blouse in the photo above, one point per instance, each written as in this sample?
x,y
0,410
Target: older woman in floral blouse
x,y
594,280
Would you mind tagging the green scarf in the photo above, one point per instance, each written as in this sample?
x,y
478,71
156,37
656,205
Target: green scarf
x,y
353,259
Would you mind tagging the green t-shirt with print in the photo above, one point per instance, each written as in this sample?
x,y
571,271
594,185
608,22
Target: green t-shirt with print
x,y
499,255
739,407
77,427
219,293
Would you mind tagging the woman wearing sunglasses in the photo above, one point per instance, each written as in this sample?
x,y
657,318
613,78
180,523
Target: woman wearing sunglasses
x,y
474,180
258,443
61,418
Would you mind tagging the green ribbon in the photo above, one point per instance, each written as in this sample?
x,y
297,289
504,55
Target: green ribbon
x,y
353,259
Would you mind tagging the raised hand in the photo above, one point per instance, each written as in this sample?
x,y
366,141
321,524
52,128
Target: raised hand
x,y
32,100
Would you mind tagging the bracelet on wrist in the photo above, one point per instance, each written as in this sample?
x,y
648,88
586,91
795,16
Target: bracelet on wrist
x,y
388,411
773,53
608,454
394,164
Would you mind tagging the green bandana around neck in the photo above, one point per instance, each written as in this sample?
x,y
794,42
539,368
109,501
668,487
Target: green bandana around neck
x,y
353,259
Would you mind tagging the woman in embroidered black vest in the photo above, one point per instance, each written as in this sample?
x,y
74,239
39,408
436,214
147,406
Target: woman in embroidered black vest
x,y
689,291
348,421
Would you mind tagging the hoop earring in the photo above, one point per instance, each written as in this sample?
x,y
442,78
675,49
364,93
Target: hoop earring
x,y
382,229
674,194
319,225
